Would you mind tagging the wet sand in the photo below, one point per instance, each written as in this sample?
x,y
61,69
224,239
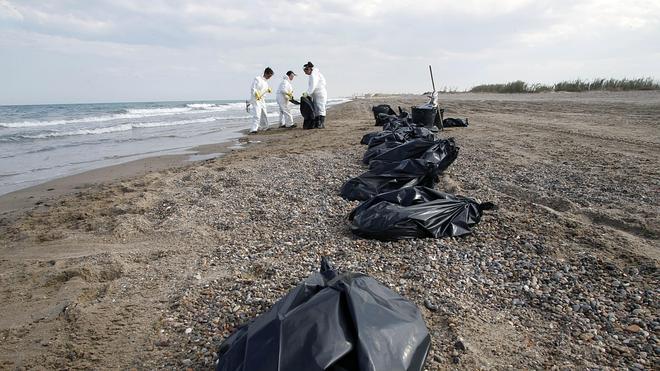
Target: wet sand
x,y
155,267
44,193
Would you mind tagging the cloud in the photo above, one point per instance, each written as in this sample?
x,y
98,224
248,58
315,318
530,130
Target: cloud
x,y
8,11
360,45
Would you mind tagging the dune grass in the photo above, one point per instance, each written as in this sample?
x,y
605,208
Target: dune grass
x,y
577,85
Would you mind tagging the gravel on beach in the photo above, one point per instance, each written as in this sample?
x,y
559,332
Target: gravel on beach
x,y
155,271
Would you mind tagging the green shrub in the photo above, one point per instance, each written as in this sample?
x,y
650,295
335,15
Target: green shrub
x,y
577,85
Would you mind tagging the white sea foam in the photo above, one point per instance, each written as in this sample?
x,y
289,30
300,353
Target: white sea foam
x,y
132,113
201,105
138,125
215,107
35,124
157,111
127,127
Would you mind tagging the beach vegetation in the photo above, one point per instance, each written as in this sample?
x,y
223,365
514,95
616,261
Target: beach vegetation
x,y
577,85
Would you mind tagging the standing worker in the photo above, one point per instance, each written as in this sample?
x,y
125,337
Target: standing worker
x,y
316,89
283,95
258,101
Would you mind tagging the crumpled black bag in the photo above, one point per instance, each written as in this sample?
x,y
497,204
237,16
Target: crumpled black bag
x,y
307,112
416,212
417,133
389,176
331,321
381,109
378,150
378,137
392,123
453,122
400,135
442,152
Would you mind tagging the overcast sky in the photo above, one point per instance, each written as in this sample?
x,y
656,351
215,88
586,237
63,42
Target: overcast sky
x,y
120,50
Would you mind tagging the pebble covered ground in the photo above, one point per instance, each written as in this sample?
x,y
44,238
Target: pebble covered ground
x,y
562,275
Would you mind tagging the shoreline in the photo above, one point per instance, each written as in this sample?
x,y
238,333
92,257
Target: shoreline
x,y
155,271
39,194
21,199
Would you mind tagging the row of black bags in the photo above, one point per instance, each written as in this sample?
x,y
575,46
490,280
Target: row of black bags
x,y
348,321
405,162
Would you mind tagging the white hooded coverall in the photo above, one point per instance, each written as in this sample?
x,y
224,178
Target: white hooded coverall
x,y
284,94
316,89
258,103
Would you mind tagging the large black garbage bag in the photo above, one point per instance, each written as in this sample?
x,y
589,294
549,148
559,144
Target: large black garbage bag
x,y
416,212
384,109
417,133
366,138
307,112
392,123
376,138
400,135
452,122
378,150
389,176
441,152
331,321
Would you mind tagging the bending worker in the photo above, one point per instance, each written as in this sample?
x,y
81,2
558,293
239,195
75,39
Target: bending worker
x,y
258,100
283,95
316,89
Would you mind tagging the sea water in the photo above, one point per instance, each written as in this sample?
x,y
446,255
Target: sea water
x,y
43,142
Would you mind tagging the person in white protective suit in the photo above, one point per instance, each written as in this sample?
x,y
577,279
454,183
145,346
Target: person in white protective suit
x,y
283,95
257,102
316,89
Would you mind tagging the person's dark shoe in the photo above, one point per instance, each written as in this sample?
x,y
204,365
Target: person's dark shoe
x,y
321,122
293,126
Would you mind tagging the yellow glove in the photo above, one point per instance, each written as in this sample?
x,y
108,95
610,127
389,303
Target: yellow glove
x,y
304,94
258,96
289,95
269,90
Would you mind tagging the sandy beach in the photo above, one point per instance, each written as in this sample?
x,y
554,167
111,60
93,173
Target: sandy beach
x,y
151,265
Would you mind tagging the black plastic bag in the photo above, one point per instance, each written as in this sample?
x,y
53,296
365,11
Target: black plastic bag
x,y
416,212
417,133
400,135
378,150
307,112
452,122
389,176
381,109
392,123
442,152
380,137
331,321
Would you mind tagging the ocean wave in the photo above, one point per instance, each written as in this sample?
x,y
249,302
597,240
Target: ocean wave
x,y
36,124
118,128
204,106
157,111
216,107
109,129
137,113
7,175
131,113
